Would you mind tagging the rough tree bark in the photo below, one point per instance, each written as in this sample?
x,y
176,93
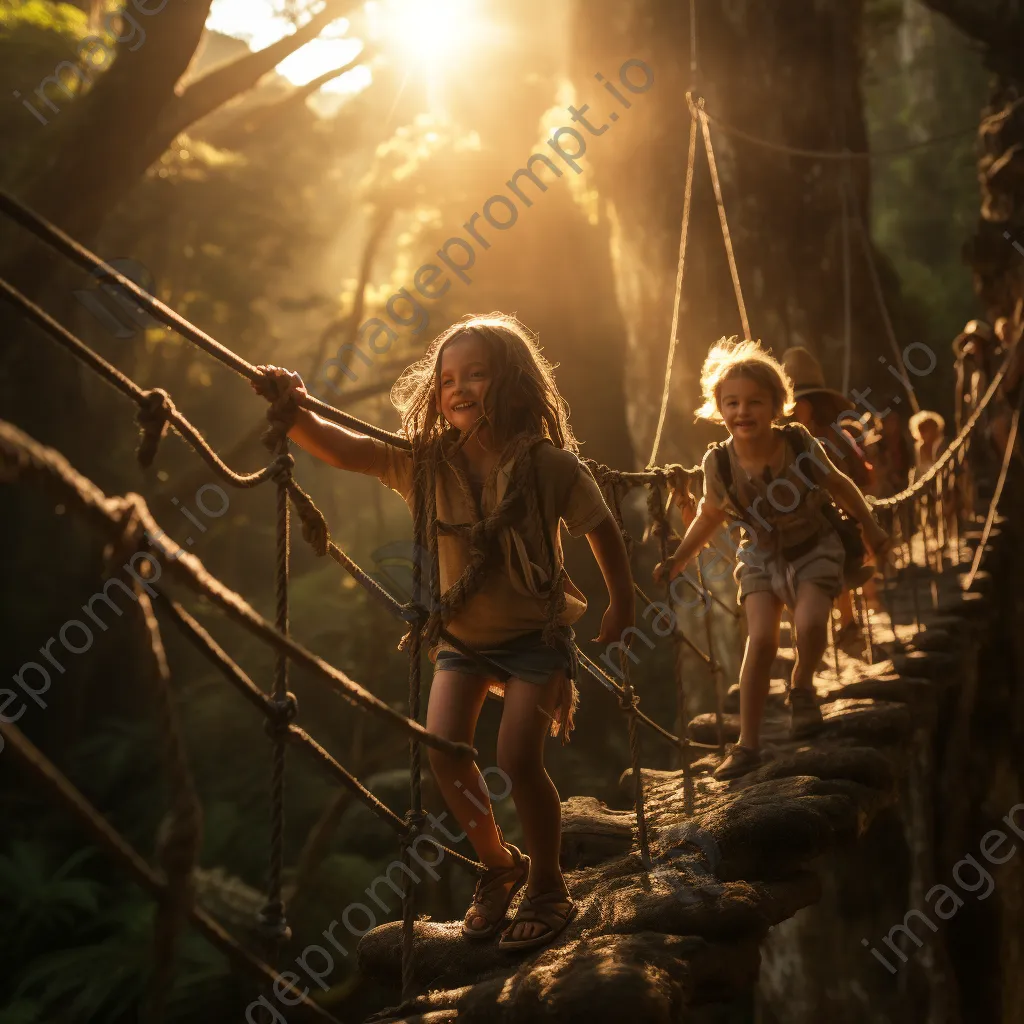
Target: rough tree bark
x,y
997,266
786,72
108,138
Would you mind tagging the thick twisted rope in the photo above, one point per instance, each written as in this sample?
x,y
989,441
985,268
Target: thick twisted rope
x,y
301,740
65,795
180,834
951,451
156,410
628,701
22,458
697,106
281,415
838,154
423,489
673,338
1011,445
91,263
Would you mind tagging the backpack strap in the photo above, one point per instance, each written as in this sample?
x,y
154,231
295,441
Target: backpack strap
x,y
724,466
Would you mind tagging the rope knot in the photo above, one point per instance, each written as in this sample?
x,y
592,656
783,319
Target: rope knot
x,y
284,408
273,927
130,537
315,531
281,714
281,468
155,409
629,702
414,822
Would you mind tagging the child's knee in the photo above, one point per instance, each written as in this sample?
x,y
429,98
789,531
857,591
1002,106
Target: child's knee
x,y
762,646
518,765
443,765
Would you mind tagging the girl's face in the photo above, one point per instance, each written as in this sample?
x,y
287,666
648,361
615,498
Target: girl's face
x,y
747,408
464,380
928,430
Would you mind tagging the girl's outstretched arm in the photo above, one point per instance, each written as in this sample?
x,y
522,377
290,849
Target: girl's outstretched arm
x,y
698,533
610,551
333,444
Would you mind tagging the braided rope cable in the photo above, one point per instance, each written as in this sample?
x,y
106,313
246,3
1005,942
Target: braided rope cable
x,y
91,263
273,917
156,410
713,667
673,338
21,457
298,737
1011,444
657,509
423,482
952,450
628,701
883,306
180,834
67,796
839,154
698,107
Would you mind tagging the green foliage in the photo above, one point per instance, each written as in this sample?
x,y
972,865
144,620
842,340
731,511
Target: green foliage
x,y
45,901
102,979
922,80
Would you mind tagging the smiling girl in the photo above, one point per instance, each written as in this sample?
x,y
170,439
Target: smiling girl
x,y
488,423
791,553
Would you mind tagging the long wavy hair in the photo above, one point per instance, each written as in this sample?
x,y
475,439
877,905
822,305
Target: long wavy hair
x,y
522,399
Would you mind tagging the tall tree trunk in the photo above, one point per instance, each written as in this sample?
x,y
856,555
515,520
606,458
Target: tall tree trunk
x,y
783,72
997,265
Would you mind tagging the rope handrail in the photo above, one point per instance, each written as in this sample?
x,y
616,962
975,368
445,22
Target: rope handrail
x,y
82,257
191,435
156,402
951,450
146,877
839,154
22,456
673,337
1011,444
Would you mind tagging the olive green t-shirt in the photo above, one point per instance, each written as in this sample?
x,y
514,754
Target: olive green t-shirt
x,y
512,599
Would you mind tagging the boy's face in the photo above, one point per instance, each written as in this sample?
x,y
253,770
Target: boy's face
x,y
747,408
464,380
928,430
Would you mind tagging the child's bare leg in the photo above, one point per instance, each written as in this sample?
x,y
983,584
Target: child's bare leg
x,y
810,617
525,723
454,706
764,611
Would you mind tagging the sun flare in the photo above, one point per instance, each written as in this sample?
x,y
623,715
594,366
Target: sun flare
x,y
425,31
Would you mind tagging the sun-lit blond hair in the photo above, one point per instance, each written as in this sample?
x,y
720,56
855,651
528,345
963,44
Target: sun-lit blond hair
x,y
731,358
925,416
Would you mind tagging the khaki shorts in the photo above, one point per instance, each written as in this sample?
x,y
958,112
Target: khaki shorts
x,y
822,565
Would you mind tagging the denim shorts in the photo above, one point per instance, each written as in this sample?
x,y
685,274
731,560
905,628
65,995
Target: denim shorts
x,y
525,657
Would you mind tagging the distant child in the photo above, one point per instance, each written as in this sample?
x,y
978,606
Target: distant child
x,y
928,429
779,483
492,433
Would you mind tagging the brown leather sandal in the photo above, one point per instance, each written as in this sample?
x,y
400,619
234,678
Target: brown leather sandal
x,y
554,910
490,897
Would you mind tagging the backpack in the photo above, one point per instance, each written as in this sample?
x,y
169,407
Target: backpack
x,y
847,528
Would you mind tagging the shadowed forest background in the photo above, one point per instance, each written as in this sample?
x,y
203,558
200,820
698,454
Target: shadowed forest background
x,y
278,217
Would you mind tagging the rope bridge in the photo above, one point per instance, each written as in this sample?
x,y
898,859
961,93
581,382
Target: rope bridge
x,y
126,525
